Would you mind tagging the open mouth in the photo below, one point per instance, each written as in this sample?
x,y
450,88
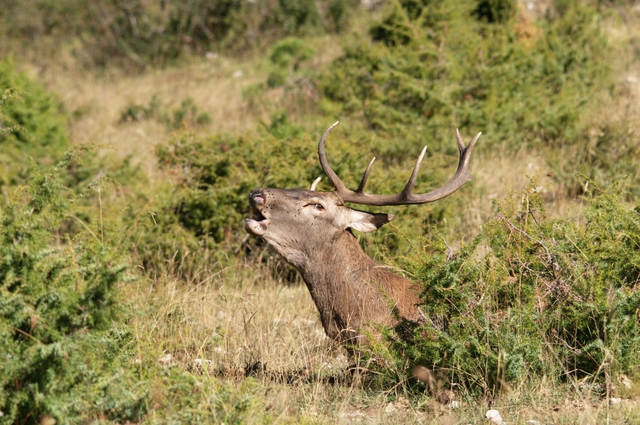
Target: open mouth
x,y
256,225
257,215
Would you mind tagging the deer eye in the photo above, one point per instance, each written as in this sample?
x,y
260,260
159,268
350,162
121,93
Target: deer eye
x,y
318,207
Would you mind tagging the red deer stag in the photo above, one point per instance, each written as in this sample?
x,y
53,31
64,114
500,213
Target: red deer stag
x,y
311,230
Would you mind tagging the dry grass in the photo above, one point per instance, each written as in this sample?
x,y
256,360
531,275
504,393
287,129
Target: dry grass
x,y
96,100
244,323
241,324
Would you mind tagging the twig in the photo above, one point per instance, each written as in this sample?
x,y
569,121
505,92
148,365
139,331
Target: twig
x,y
522,232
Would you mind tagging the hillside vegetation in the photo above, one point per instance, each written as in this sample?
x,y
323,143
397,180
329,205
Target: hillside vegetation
x,y
129,292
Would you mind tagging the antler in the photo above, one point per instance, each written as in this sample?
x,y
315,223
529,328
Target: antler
x,y
405,197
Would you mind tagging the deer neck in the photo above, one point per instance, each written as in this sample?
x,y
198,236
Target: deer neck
x,y
323,263
348,287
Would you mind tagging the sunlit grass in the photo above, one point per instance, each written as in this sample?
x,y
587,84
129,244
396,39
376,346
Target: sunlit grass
x,y
241,330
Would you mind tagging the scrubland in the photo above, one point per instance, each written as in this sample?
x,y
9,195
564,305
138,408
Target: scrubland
x,y
132,135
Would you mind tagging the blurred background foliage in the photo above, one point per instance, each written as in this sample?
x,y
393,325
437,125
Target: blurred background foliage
x,y
139,34
438,65
33,124
526,297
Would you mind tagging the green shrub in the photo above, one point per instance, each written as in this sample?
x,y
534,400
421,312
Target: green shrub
x,y
137,112
431,66
37,123
66,350
533,298
67,332
606,154
138,34
186,115
339,13
498,11
215,175
281,128
33,129
286,56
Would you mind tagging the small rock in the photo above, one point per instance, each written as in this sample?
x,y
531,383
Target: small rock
x,y
390,408
47,420
625,381
166,359
341,360
356,416
532,422
238,74
615,400
453,405
494,417
201,363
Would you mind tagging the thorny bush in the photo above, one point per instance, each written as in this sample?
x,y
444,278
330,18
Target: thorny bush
x,y
532,297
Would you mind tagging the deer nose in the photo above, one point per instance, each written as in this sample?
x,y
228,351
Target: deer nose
x,y
257,197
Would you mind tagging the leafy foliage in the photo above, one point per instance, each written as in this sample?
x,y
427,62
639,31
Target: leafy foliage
x,y
33,130
138,34
69,349
214,176
32,123
286,56
186,115
434,66
61,325
533,297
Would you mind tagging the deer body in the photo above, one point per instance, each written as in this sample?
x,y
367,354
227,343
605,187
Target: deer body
x,y
357,292
312,231
348,288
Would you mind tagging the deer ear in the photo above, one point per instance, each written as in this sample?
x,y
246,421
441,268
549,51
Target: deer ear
x,y
367,222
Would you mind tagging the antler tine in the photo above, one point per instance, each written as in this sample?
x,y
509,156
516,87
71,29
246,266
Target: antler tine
x,y
314,185
465,153
333,177
405,197
414,175
363,182
460,141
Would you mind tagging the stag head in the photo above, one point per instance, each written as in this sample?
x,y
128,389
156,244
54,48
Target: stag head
x,y
296,221
288,217
310,229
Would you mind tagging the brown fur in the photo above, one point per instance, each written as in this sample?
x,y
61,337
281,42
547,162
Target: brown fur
x,y
349,289
311,230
